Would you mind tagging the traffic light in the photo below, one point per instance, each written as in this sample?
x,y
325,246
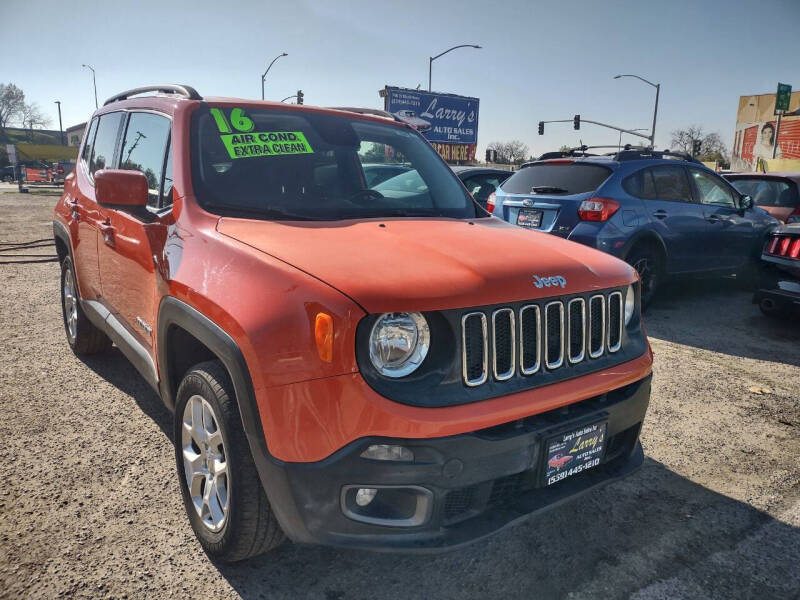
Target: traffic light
x,y
541,127
488,155
576,122
696,147
299,96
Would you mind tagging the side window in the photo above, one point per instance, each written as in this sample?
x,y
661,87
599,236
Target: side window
x,y
641,184
105,142
671,184
712,191
143,149
87,147
166,186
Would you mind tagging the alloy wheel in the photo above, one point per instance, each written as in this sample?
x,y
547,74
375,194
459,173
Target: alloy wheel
x,y
70,305
205,462
647,275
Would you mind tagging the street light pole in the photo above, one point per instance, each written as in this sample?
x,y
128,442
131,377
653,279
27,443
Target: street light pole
x,y
655,109
267,71
60,128
433,58
94,83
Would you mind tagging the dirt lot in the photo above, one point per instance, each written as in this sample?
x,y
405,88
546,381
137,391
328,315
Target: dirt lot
x,y
90,507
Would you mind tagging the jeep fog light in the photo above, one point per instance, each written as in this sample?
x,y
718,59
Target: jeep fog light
x,y
387,452
630,304
365,495
398,343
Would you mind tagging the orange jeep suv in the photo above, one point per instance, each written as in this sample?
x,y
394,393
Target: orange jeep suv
x,y
385,367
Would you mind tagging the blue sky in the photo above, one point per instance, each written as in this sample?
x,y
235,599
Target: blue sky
x,y
540,60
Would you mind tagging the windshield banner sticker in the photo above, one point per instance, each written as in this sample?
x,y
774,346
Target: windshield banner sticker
x,y
267,143
249,143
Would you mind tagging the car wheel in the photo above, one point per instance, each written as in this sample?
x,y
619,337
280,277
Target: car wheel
x,y
648,264
227,507
82,336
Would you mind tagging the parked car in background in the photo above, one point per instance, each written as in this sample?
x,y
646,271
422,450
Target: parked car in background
x,y
778,291
777,193
481,182
663,213
61,169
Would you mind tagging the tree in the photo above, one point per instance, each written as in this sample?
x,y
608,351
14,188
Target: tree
x,y
12,102
711,145
32,117
510,153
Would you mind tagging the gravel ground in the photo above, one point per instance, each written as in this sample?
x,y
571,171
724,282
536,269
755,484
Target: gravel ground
x,y
90,507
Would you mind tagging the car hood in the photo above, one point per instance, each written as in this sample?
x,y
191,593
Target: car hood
x,y
403,264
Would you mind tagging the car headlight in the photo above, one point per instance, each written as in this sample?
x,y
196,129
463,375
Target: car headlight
x,y
399,343
630,303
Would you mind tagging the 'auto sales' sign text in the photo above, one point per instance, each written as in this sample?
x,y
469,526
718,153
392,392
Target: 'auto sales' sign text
x,y
442,118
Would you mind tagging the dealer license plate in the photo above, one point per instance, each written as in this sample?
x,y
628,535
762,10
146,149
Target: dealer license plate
x,y
529,218
574,452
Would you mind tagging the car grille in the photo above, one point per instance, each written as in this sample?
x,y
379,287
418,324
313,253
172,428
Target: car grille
x,y
523,341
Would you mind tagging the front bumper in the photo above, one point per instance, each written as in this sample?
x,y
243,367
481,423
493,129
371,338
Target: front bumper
x,y
472,484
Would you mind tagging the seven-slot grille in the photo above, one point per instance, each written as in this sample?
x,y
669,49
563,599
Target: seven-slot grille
x,y
505,341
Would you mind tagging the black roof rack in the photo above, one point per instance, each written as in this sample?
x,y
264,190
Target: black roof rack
x,y
648,153
366,111
186,91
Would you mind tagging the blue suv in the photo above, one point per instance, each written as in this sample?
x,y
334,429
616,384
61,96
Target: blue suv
x,y
663,213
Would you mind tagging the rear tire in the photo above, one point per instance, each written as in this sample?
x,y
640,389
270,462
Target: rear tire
x,y
650,266
82,336
227,507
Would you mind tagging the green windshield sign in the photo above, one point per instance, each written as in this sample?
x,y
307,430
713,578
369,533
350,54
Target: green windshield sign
x,y
782,97
248,143
265,143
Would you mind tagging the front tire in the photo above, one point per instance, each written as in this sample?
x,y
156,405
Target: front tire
x,y
82,336
649,265
227,507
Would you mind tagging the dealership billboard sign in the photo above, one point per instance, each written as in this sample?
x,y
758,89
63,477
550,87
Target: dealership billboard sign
x,y
448,121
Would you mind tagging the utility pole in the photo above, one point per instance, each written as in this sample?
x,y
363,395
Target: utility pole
x,y
60,128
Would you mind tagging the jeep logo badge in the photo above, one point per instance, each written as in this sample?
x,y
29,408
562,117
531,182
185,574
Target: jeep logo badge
x,y
553,281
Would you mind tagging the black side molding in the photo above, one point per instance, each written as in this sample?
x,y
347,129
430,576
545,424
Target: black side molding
x,y
134,351
274,480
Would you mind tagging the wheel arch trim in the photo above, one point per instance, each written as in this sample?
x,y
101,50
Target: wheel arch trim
x,y
174,312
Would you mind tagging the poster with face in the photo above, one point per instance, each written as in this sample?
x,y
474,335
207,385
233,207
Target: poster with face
x,y
755,135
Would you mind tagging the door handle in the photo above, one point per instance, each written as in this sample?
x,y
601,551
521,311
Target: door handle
x,y
660,214
73,205
713,219
107,230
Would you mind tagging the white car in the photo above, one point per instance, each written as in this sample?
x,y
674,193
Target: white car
x,y
410,117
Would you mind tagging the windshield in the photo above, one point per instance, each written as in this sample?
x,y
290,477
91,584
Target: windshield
x,y
555,178
767,192
287,164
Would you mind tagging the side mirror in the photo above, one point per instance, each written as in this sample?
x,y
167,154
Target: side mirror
x,y
115,187
747,202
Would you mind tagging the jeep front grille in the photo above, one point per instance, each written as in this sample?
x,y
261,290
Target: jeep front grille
x,y
535,337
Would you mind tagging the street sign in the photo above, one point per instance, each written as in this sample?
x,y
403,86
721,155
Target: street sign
x,y
782,97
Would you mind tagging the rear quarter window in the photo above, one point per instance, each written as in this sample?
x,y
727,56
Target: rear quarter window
x,y
574,178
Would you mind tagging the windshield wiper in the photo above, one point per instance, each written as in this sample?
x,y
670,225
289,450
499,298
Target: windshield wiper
x,y
264,212
548,189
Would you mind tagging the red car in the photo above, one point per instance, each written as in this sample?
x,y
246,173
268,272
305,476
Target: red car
x,y
348,364
776,193
559,461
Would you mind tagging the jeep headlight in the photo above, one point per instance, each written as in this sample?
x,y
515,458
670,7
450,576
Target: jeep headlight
x,y
630,303
398,343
